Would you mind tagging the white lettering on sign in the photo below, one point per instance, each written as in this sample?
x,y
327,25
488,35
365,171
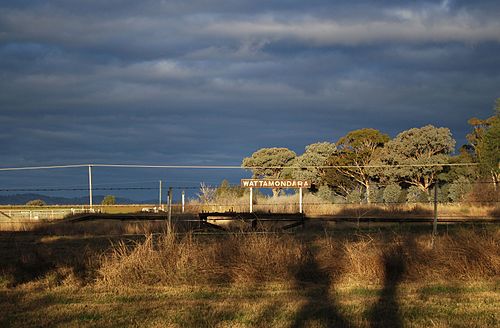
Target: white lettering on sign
x,y
255,183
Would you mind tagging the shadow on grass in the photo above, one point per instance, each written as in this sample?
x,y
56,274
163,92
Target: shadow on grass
x,y
205,315
320,305
385,312
322,308
385,211
25,256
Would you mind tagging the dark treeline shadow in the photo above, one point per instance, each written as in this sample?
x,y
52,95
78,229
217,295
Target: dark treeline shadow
x,y
27,256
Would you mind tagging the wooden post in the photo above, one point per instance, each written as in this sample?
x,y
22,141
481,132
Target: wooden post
x,y
169,210
90,188
434,225
183,200
300,200
251,200
159,196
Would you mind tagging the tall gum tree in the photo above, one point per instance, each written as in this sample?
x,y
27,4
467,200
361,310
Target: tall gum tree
x,y
312,162
488,148
270,163
357,149
414,147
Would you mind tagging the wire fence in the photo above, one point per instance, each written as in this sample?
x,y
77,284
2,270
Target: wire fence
x,y
372,196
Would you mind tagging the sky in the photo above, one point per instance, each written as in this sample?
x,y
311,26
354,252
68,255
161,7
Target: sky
x,y
211,81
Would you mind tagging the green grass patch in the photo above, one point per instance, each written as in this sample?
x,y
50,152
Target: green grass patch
x,y
281,306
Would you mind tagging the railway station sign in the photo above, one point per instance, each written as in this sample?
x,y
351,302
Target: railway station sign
x,y
275,183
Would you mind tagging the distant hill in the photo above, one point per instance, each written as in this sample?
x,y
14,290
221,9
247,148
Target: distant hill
x,y
21,199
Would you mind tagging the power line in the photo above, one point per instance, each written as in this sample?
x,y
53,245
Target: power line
x,y
42,167
99,188
226,167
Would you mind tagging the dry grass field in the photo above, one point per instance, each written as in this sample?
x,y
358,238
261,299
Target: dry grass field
x,y
83,275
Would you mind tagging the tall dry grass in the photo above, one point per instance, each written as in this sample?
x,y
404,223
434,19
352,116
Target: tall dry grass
x,y
313,205
92,228
255,258
173,260
466,255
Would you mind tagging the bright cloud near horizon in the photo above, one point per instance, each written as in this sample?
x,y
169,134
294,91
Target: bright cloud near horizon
x,y
209,82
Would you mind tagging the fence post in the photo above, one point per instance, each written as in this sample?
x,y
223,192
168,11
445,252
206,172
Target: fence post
x,y
90,188
251,200
183,200
169,228
434,225
300,200
159,196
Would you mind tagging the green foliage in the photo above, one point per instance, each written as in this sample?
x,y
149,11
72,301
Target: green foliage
x,y
458,189
226,191
338,199
392,194
479,128
355,197
358,148
418,146
376,194
109,200
490,150
484,140
36,202
326,193
271,163
339,183
451,173
416,195
316,154
443,193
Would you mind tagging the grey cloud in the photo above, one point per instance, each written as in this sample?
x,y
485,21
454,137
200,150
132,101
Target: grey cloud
x,y
212,81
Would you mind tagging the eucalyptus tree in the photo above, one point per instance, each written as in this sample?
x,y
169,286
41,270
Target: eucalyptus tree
x,y
271,163
476,136
312,162
357,150
415,153
489,148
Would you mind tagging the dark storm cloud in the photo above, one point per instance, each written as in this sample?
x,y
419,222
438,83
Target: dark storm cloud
x,y
195,82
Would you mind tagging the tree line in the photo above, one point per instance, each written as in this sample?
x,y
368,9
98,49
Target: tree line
x,y
367,165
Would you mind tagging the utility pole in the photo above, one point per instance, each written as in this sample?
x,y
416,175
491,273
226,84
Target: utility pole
x,y
90,187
